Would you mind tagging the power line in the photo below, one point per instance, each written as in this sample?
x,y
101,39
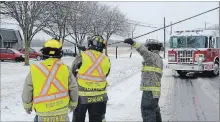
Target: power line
x,y
177,22
131,21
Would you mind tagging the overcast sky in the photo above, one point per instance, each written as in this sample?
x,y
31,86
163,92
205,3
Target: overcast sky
x,y
153,12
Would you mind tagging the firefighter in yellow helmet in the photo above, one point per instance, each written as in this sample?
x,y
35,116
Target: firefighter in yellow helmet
x,y
50,88
91,67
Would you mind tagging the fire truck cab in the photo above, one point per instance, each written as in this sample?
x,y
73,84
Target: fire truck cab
x,y
194,51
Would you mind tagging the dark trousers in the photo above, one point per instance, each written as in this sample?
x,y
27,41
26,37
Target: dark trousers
x,y
96,112
149,108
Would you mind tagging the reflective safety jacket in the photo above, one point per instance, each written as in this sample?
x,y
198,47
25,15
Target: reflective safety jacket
x,y
50,84
91,76
152,70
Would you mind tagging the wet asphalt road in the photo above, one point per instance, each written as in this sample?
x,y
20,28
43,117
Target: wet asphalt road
x,y
192,98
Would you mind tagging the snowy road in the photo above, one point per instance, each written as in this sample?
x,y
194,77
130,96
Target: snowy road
x,y
182,99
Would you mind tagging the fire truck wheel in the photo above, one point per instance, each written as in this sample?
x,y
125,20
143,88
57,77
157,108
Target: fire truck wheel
x,y
215,72
181,73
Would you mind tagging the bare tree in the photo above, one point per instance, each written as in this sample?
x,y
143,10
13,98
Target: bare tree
x,y
31,17
115,23
79,22
58,23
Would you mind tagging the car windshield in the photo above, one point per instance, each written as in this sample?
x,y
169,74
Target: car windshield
x,y
15,51
189,42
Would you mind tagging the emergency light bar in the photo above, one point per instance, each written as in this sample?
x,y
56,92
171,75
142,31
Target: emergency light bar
x,y
188,31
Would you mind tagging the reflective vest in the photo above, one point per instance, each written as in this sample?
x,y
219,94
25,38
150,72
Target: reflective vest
x,y
155,89
50,84
92,73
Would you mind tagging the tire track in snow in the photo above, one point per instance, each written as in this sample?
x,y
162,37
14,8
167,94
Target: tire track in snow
x,y
124,100
193,100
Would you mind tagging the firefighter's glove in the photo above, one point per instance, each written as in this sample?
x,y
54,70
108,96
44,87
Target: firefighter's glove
x,y
83,48
129,41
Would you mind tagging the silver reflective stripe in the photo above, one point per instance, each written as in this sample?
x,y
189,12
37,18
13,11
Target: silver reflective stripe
x,y
49,80
59,86
90,55
97,62
40,66
90,78
51,97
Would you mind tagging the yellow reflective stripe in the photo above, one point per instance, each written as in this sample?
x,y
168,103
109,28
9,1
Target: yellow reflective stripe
x,y
53,113
151,88
93,93
158,84
27,105
136,45
156,93
151,69
73,103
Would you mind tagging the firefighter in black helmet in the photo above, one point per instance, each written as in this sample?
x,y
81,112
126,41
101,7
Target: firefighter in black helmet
x,y
91,68
150,78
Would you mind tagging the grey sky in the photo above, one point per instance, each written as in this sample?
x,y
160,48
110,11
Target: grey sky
x,y
153,13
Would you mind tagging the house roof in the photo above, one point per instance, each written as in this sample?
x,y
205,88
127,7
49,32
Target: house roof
x,y
8,35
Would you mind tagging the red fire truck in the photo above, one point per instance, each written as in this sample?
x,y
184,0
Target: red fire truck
x,y
194,51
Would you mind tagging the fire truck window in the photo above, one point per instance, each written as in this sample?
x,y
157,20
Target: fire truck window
x,y
211,42
217,41
178,42
174,42
196,41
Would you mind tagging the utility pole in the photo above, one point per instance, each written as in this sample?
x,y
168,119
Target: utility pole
x,y
164,37
219,28
171,28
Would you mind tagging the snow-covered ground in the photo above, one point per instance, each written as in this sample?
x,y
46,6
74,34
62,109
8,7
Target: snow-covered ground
x,y
181,99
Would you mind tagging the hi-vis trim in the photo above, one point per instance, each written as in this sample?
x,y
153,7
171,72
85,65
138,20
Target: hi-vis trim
x,y
51,79
50,97
91,78
95,66
53,113
136,45
92,93
28,105
151,69
150,88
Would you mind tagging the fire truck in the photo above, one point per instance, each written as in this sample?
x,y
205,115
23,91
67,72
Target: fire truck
x,y
194,51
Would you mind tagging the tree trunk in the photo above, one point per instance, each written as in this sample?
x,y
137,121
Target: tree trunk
x,y
27,48
106,50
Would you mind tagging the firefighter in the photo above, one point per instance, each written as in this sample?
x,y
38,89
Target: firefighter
x,y
150,78
91,67
50,88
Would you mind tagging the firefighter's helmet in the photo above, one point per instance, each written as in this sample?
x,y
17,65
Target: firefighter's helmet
x,y
153,45
52,48
96,42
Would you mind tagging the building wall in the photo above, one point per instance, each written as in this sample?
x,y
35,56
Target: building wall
x,y
20,43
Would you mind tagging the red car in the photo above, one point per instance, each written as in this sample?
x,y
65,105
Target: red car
x,y
32,53
11,54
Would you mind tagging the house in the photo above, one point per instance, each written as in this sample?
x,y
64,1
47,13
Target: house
x,y
10,38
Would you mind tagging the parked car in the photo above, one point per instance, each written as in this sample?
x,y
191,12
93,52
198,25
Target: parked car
x,y
11,54
32,54
68,52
